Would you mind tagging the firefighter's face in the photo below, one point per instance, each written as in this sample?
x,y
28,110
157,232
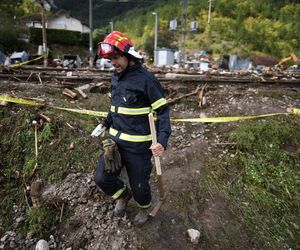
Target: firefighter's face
x,y
119,62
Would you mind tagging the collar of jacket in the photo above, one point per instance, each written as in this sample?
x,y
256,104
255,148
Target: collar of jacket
x,y
128,69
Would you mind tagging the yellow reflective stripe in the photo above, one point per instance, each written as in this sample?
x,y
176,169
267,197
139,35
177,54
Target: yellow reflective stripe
x,y
144,206
135,138
158,103
131,138
134,111
120,38
118,193
113,131
131,111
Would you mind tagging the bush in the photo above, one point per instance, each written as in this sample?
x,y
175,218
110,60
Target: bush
x,y
64,37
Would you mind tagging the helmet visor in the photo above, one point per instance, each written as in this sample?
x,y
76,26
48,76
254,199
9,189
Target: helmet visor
x,y
106,50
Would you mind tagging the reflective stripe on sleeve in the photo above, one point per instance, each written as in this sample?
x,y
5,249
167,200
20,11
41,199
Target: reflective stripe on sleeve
x,y
130,111
159,103
131,138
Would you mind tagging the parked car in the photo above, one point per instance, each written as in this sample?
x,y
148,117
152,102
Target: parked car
x,y
103,63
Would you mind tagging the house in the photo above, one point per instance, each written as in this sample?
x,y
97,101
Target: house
x,y
61,20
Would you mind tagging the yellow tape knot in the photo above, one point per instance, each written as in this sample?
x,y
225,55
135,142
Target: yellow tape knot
x,y
293,111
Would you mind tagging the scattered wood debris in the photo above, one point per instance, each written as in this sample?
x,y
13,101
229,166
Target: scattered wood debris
x,y
183,96
46,118
81,93
202,98
69,93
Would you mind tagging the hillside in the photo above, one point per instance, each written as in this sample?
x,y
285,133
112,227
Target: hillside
x,y
242,27
237,26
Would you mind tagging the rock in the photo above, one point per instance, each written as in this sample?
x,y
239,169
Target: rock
x,y
202,115
42,245
4,238
11,233
20,219
194,235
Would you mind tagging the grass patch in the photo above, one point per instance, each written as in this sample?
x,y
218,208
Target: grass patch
x,y
261,183
279,95
56,159
41,220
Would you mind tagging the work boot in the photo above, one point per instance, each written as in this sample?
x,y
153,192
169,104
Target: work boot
x,y
141,217
121,203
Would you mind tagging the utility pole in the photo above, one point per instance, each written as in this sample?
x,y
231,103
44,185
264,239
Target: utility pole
x,y
209,11
91,33
45,53
184,15
111,25
155,38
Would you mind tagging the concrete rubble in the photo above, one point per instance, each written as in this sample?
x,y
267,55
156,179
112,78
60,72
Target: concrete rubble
x,y
92,222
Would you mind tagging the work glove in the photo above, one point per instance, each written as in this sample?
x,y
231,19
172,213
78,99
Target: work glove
x,y
112,157
101,131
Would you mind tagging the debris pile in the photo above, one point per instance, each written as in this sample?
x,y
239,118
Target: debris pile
x,y
92,220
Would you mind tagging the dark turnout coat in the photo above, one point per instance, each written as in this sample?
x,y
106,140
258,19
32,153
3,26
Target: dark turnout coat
x,y
135,93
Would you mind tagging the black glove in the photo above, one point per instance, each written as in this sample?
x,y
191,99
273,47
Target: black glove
x,y
112,157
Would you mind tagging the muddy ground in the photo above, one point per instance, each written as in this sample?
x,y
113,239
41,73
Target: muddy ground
x,y
192,146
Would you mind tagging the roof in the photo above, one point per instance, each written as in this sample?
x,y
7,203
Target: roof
x,y
263,60
61,12
38,18
31,18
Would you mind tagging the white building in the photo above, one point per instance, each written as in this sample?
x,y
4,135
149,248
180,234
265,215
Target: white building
x,y
164,57
61,20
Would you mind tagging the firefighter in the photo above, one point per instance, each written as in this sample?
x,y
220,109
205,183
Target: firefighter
x,y
135,92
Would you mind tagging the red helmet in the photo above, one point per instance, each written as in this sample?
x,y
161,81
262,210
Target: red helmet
x,y
114,42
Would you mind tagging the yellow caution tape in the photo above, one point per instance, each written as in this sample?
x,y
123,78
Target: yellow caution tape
x,y
23,63
83,111
225,119
20,101
292,111
32,103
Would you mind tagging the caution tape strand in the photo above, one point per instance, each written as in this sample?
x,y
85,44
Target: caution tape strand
x,y
26,62
292,111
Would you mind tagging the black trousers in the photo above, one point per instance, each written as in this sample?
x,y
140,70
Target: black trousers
x,y
138,168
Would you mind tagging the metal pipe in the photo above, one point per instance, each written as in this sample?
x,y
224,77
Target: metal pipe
x,y
91,33
111,25
209,12
45,54
155,37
